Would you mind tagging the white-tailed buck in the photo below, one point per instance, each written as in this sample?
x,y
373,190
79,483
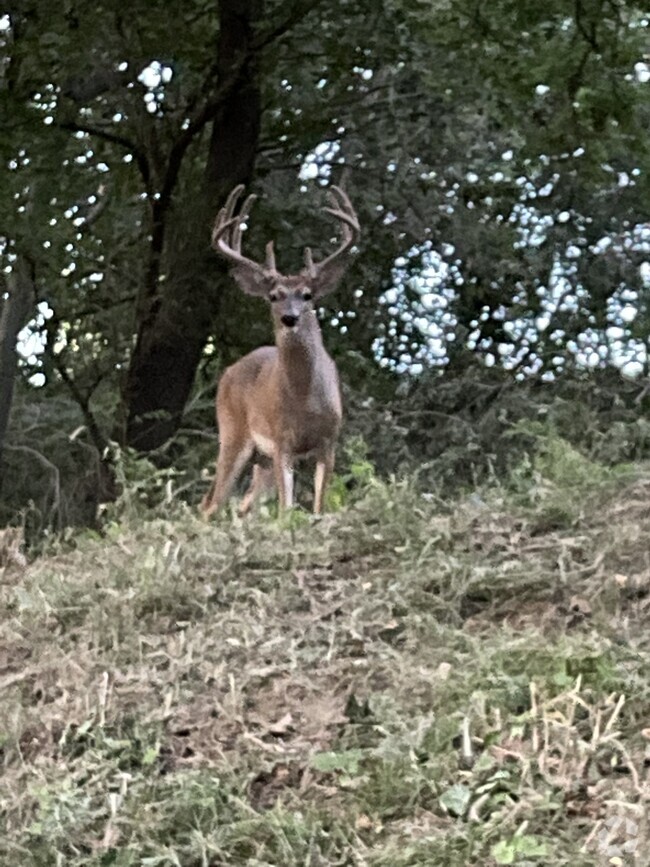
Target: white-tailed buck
x,y
282,402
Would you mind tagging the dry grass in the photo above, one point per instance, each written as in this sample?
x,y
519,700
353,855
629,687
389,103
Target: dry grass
x,y
405,682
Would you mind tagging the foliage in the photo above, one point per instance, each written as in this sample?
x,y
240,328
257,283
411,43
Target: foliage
x,y
448,433
510,141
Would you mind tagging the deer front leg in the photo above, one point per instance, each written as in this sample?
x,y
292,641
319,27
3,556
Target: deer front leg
x,y
324,467
283,468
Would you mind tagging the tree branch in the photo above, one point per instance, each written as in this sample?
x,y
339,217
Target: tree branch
x,y
83,401
296,11
114,138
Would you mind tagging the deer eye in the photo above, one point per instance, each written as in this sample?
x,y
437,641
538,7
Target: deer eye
x,y
273,296
307,296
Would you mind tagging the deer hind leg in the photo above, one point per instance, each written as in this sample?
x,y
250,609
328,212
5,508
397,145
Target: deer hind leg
x,y
262,482
233,455
324,467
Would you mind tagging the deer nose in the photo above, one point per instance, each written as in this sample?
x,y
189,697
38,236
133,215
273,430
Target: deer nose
x,y
289,320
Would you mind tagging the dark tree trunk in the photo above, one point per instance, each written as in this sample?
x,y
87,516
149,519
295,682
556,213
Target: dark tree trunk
x,y
176,315
15,312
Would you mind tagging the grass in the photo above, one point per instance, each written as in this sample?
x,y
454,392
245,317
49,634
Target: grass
x,y
405,682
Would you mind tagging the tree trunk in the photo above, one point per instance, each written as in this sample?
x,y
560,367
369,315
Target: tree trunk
x,y
176,320
15,311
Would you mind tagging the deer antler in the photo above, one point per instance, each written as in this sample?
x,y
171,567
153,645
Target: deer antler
x,y
341,209
227,231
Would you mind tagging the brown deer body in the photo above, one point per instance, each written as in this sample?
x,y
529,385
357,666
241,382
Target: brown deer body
x,y
282,402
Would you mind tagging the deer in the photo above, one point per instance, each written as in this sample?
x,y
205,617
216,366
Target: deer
x,y
279,403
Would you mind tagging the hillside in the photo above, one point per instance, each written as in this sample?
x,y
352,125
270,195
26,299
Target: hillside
x,y
408,681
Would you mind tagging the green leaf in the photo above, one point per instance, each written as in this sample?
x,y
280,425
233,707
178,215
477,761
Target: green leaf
x,y
456,799
150,755
347,761
506,851
503,852
527,844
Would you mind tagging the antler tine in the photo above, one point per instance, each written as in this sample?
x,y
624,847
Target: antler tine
x,y
225,218
244,214
344,212
221,226
342,208
270,257
309,263
231,201
227,232
235,235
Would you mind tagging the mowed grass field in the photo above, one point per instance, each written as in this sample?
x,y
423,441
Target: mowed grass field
x,y
408,681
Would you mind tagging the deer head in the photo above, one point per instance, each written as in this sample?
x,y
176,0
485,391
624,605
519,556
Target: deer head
x,y
291,297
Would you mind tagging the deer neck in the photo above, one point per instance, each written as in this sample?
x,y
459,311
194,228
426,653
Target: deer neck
x,y
301,354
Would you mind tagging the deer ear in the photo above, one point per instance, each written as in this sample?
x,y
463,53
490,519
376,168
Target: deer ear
x,y
252,281
327,279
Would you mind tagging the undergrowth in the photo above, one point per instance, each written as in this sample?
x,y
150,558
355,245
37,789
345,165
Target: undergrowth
x,y
408,681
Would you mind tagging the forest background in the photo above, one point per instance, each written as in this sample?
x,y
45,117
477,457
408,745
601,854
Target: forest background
x,y
497,157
